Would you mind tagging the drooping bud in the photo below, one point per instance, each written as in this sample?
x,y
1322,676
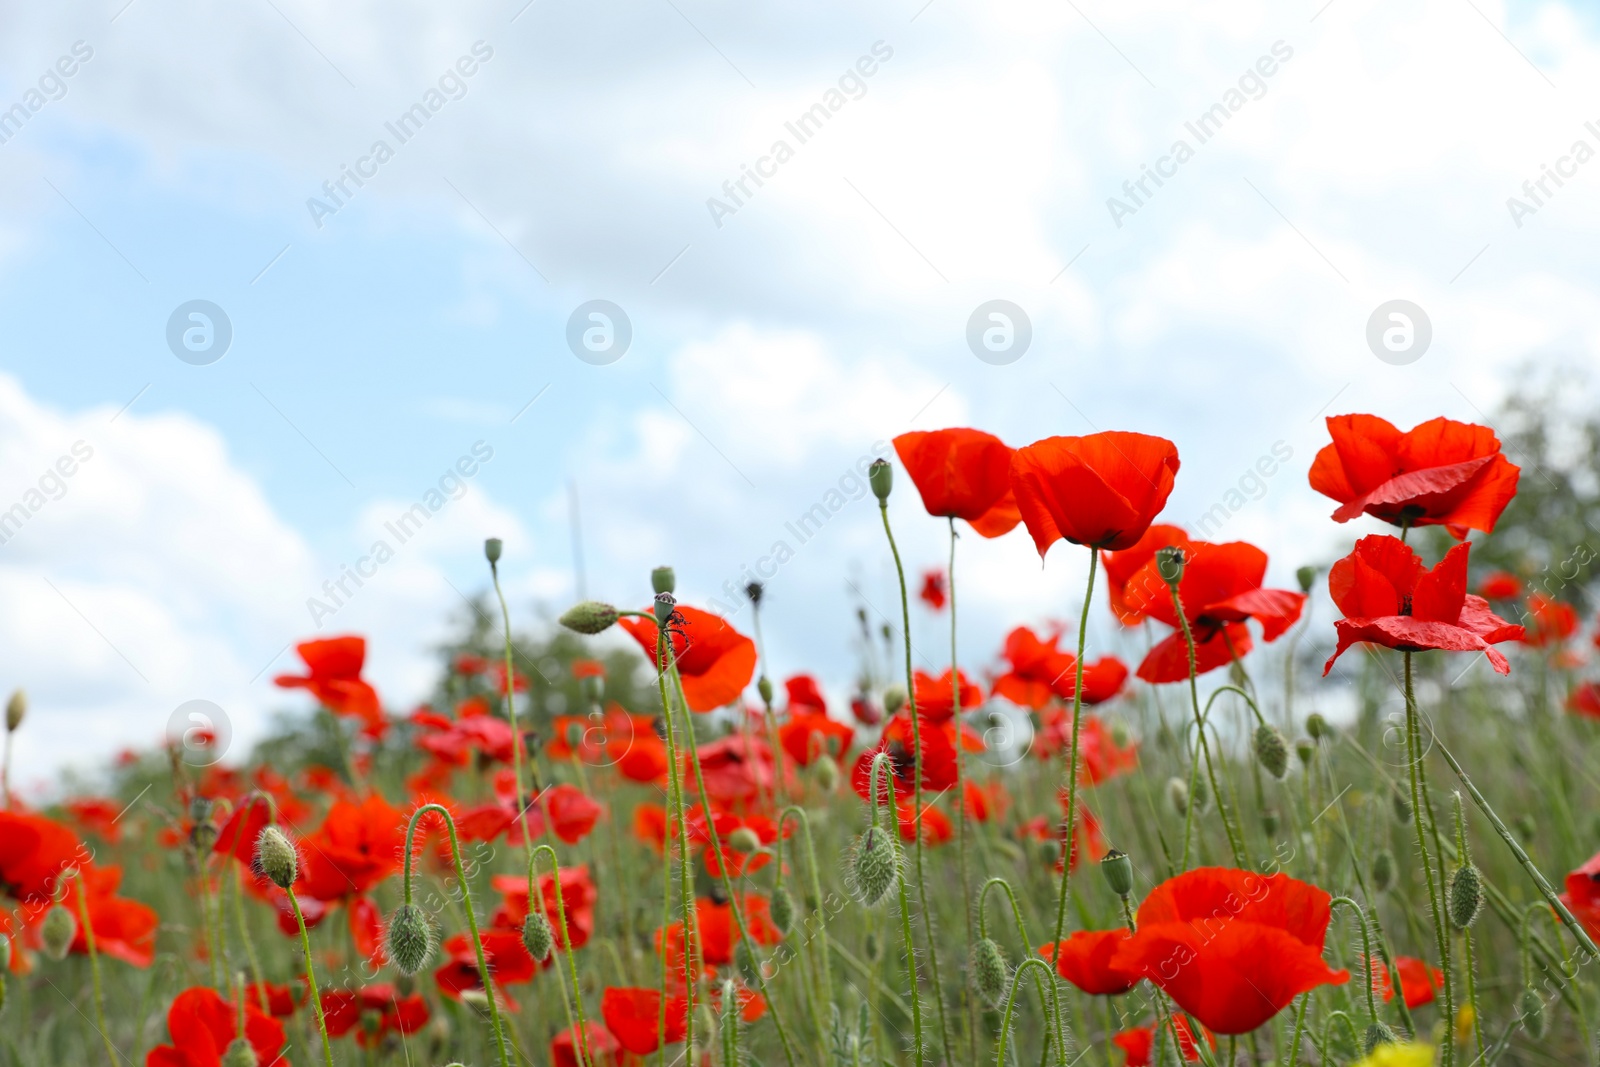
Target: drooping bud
x,y
590,617
1307,577
16,710
873,946
1272,751
57,932
745,840
275,857
1169,564
1383,870
1317,726
876,862
989,971
410,938
894,698
537,936
1465,896
665,604
1378,1033
664,580
1118,871
764,688
1306,749
782,909
826,771
881,477
1531,1009
1178,795
240,1054
1401,806
492,548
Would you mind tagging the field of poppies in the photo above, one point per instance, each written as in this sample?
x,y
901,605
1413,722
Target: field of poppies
x,y
631,840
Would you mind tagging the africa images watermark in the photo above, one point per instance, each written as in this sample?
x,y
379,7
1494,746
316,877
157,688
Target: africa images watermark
x,y
1202,129
52,485
803,128
1537,190
50,87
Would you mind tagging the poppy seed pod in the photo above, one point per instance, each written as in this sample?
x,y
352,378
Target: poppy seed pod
x,y
1378,1033
1306,576
410,938
1317,726
1383,870
876,862
1178,795
664,580
764,689
492,548
240,1054
1272,751
1118,871
537,936
881,477
894,698
989,971
1531,1009
663,607
1169,564
781,908
590,617
744,840
57,931
16,710
275,857
1465,896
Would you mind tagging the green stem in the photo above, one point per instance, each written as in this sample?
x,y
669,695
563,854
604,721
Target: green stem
x,y
1299,1029
94,967
691,962
882,776
800,815
1022,935
1072,760
311,976
1368,957
1234,843
1057,1033
561,917
1419,820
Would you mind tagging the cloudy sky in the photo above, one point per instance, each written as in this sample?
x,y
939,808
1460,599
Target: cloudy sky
x,y
400,208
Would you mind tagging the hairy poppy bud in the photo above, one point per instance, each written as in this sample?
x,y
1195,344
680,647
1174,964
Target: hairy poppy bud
x,y
876,862
1118,871
664,605
873,946
989,971
1306,576
57,932
764,688
881,477
589,617
16,710
1306,749
744,840
1178,795
664,580
1200,796
894,698
1378,1033
1531,1009
1169,564
492,548
410,938
1317,726
240,1054
826,772
1120,735
1465,896
1272,751
781,908
1270,820
275,857
748,963
537,936
1402,807
1383,870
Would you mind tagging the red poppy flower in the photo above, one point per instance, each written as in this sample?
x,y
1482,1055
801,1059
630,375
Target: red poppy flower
x,y
98,815
715,660
933,824
804,695
468,664
1585,700
202,1026
1418,981
474,730
390,1013
1554,621
1441,473
634,1018
278,1000
933,592
1220,589
718,931
738,770
1389,599
588,668
1085,961
1231,947
33,852
238,836
1138,1043
597,739
1102,758
123,929
738,863
938,758
865,710
602,1048
1120,567
356,847
1036,666
1088,840
808,735
579,895
1582,897
986,802
503,952
335,680
1499,585
936,696
1102,490
962,474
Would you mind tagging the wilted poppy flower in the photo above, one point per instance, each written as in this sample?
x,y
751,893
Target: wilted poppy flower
x,y
598,1048
961,474
1120,567
938,758
33,853
715,660
633,1016
1102,490
1084,960
1418,981
1500,586
1441,473
335,680
388,1011
1220,589
933,591
1389,599
1553,621
202,1026
1138,1044
936,696
1231,947
808,735
1582,896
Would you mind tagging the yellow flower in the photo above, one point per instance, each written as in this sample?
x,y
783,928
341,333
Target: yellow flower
x,y
1464,1019
1402,1055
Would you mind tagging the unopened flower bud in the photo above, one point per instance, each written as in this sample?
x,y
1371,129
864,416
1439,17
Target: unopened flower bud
x,y
881,476
1169,564
745,840
894,698
492,548
240,1054
876,862
1118,871
57,931
537,936
1272,751
1317,726
1270,821
663,580
1120,735
781,908
873,947
748,962
1200,796
275,857
1306,576
1532,1011
753,590
410,938
589,617
665,604
1378,1033
1465,896
1306,749
16,710
989,971
764,689
1401,805
1178,795
826,772
1383,870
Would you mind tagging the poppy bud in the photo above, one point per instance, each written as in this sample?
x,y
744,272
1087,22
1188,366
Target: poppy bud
x,y
1531,1009
537,936
5,957
744,840
663,607
1383,870
1378,1033
748,963
729,1023
764,688
16,710
873,947
204,835
826,772
275,857
1317,726
705,1022
410,938
1118,871
589,617
1525,826
1169,564
1201,794
989,971
593,688
881,477
894,698
1272,751
1465,896
876,862
1306,576
57,932
492,548
1402,807
240,1054
1120,736
781,907
1270,821
663,580
1306,749
753,590
1178,795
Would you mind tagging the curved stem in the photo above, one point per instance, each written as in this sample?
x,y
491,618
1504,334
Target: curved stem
x,y
1299,1028
1022,934
561,917
816,885
1011,1003
1366,945
1072,759
1327,1032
